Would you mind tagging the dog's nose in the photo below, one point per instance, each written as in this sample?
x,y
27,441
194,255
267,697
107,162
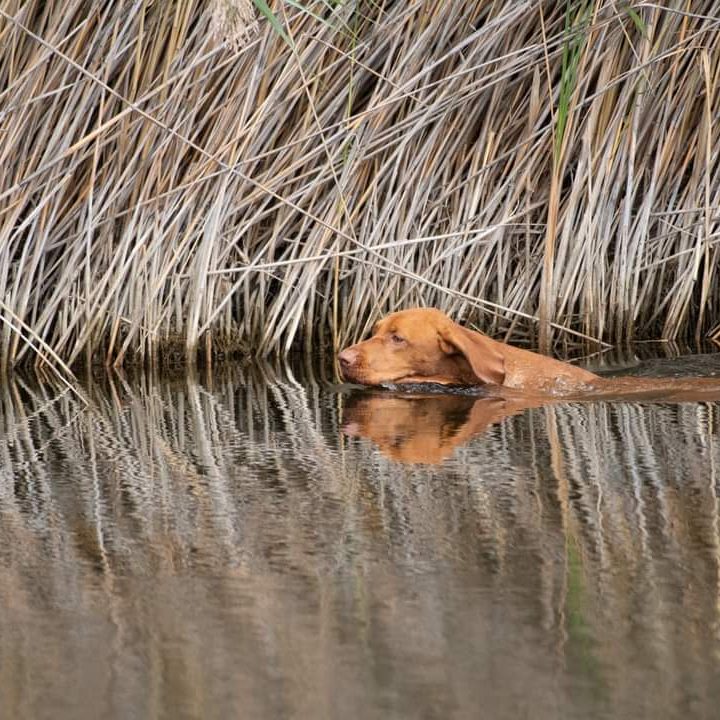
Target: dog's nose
x,y
348,357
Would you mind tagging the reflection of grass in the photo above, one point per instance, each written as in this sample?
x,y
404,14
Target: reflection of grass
x,y
245,478
581,656
178,187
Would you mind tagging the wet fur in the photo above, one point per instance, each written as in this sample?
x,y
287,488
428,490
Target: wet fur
x,y
424,346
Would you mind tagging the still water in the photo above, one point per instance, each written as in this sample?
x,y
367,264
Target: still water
x,y
247,546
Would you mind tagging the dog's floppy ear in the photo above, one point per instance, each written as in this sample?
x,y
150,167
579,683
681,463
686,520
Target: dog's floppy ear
x,y
486,362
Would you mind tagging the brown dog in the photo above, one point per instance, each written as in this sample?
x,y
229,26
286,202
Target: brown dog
x,y
423,345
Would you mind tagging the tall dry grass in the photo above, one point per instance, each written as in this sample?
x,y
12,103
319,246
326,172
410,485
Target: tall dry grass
x,y
166,191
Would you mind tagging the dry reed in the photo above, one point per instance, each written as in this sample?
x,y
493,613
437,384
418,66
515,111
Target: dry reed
x,y
163,189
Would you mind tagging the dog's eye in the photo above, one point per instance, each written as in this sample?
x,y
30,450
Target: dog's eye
x,y
396,338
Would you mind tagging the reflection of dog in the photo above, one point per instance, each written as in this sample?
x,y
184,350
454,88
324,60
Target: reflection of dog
x,y
424,346
423,429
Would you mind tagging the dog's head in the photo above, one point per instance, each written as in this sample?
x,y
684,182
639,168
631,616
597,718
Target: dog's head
x,y
423,345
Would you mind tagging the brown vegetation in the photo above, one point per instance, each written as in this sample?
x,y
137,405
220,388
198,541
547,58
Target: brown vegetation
x,y
504,161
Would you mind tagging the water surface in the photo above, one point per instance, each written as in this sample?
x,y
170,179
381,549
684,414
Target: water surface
x,y
267,547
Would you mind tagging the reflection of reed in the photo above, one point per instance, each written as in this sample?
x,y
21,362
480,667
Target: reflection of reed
x,y
188,546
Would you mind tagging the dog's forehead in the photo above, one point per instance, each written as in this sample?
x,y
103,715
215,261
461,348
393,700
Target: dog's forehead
x,y
418,320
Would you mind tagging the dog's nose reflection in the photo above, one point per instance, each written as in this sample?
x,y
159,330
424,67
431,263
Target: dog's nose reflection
x,y
422,429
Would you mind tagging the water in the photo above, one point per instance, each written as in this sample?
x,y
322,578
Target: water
x,y
220,548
